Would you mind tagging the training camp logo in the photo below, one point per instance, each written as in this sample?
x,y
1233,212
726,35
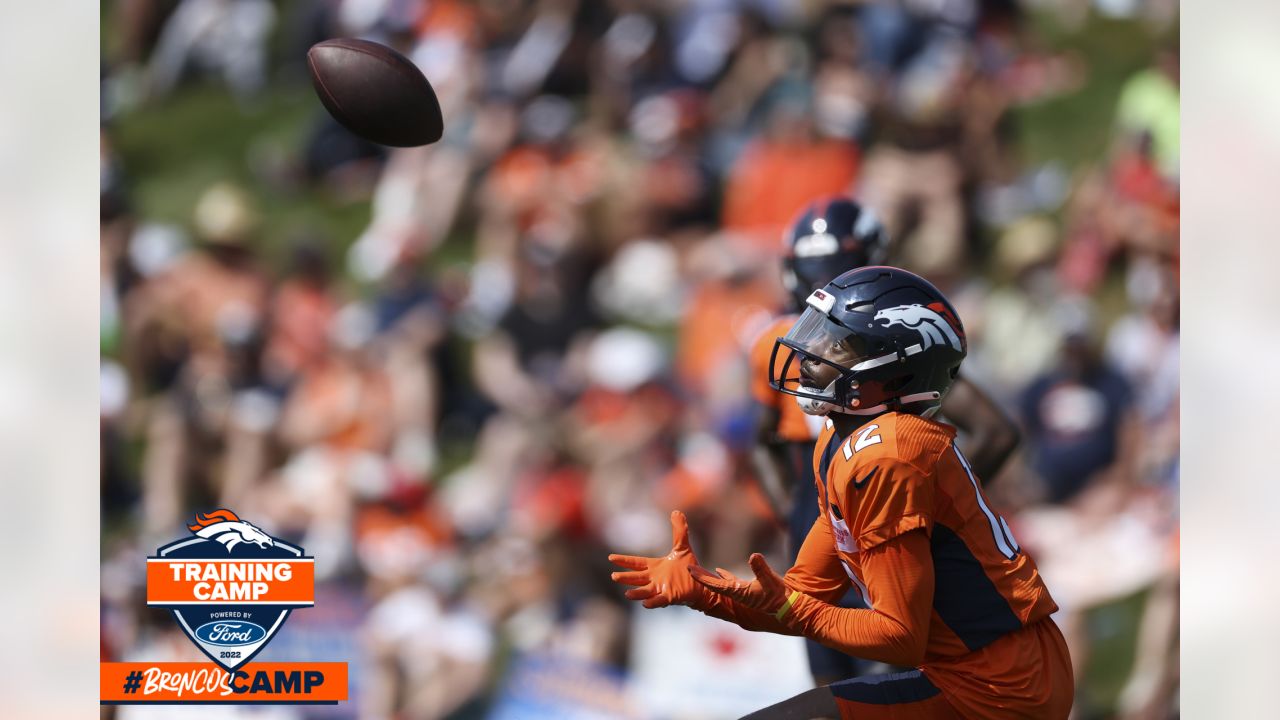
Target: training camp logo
x,y
230,586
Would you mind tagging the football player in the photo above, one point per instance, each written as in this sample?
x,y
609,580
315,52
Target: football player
x,y
902,517
828,237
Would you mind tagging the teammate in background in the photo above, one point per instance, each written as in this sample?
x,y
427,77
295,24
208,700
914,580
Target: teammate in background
x,y
830,236
904,519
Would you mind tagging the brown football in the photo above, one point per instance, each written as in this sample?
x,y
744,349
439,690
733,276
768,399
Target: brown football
x,y
375,92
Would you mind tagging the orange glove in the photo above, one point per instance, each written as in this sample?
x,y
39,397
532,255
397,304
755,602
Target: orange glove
x,y
666,580
767,593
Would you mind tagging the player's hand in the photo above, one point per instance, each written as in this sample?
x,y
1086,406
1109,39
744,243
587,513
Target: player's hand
x,y
766,593
663,581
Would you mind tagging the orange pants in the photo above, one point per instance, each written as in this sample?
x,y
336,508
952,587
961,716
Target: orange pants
x,y
1025,674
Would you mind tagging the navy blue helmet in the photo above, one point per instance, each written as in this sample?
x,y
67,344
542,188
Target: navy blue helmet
x,y
874,339
830,236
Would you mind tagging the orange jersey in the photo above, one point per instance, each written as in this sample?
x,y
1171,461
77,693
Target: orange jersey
x,y
899,473
903,519
793,424
1023,675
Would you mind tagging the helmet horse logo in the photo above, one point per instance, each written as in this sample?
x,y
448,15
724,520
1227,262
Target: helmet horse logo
x,y
932,326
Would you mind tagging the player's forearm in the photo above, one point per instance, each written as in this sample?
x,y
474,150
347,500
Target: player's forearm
x,y
899,576
719,606
862,633
989,448
992,434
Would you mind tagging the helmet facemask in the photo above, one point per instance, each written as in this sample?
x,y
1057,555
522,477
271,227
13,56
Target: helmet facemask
x,y
830,367
815,362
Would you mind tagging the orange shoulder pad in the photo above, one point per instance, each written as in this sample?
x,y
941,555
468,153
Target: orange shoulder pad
x,y
883,480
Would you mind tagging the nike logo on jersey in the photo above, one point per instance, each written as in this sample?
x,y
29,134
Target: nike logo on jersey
x,y
857,484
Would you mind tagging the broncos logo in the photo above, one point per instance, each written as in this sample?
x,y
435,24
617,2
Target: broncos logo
x,y
227,528
929,322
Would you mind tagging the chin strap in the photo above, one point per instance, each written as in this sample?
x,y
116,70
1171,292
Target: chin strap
x,y
882,407
812,406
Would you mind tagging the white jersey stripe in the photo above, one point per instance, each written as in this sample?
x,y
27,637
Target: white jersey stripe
x,y
998,529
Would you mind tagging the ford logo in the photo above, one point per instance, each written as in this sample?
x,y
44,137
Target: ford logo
x,y
230,633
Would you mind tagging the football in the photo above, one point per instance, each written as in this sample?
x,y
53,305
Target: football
x,y
375,92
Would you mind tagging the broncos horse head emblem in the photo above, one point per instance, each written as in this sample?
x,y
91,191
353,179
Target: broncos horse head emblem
x,y
227,528
933,327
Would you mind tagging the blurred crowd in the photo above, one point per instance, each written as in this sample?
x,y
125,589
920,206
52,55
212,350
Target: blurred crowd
x,y
460,443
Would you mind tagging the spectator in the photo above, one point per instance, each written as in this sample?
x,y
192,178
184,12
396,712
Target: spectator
x,y
913,173
189,327
228,37
1149,106
302,311
1018,333
1079,419
787,167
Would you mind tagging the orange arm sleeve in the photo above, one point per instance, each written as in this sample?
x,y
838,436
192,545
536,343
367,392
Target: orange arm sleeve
x,y
816,574
719,606
899,578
